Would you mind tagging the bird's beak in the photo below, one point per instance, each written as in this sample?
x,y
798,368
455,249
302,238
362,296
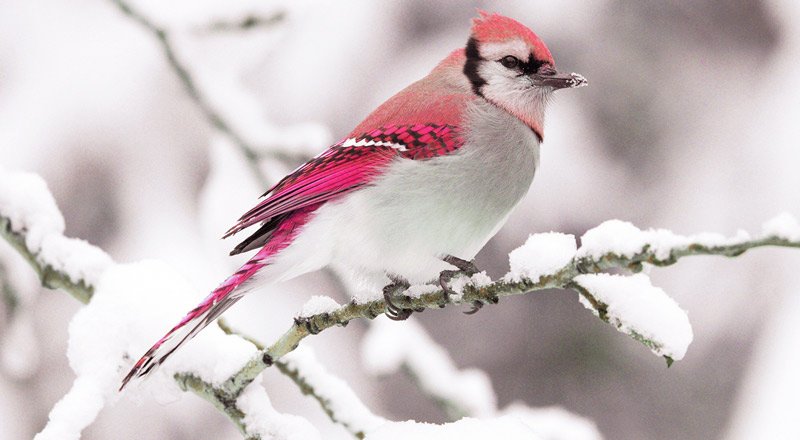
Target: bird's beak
x,y
560,80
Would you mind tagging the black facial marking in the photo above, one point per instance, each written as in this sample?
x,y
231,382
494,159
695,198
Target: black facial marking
x,y
471,66
531,66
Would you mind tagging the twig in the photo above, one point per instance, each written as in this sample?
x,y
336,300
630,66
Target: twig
x,y
247,23
223,402
10,299
250,152
488,294
50,278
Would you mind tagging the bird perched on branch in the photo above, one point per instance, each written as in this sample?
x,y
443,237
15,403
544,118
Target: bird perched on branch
x,y
414,191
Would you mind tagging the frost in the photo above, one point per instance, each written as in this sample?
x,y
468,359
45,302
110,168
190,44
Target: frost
x,y
542,254
388,346
348,409
505,427
784,226
318,304
635,307
554,423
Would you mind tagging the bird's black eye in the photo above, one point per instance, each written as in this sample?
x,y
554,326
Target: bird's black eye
x,y
509,62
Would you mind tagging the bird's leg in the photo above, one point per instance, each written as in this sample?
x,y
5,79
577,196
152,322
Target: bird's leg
x,y
465,267
398,285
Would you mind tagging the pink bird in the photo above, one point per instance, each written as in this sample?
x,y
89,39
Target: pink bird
x,y
428,177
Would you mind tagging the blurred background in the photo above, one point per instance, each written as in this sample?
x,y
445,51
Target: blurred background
x,y
689,123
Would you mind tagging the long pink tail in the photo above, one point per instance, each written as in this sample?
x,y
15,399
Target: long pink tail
x,y
274,239
212,306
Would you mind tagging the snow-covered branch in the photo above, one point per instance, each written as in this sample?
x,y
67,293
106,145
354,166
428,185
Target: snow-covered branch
x,y
551,260
31,222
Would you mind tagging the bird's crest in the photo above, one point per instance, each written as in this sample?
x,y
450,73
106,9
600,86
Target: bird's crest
x,y
496,28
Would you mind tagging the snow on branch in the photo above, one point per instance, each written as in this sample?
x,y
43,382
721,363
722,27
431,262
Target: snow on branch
x,y
125,303
550,261
33,225
128,301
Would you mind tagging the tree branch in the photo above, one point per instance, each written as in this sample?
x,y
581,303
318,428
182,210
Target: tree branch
x,y
250,152
487,294
247,23
50,278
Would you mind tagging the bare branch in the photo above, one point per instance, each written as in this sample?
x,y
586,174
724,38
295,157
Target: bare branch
x,y
248,23
9,296
250,152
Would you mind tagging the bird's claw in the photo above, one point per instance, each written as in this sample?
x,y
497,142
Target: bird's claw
x,y
465,267
477,305
393,311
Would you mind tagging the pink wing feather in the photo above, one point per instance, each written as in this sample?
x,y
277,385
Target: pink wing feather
x,y
426,132
341,169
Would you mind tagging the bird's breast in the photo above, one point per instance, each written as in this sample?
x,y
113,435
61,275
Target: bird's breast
x,y
419,210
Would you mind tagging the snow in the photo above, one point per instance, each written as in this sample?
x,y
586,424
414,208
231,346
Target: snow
x,y
418,290
263,421
505,427
711,239
389,345
318,304
541,255
612,236
77,258
636,307
460,282
347,408
783,226
626,240
31,209
133,306
27,203
554,423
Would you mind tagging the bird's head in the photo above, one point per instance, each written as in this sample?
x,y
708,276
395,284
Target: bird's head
x,y
511,67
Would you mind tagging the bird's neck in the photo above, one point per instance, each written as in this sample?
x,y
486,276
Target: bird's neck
x,y
528,107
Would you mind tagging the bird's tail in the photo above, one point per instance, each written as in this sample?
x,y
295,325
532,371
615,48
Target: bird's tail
x,y
209,309
274,240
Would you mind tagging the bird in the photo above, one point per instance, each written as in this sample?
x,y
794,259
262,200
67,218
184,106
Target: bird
x,y
416,189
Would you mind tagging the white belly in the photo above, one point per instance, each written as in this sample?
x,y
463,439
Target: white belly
x,y
419,211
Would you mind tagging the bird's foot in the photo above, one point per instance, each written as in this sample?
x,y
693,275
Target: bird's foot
x,y
465,267
476,305
398,286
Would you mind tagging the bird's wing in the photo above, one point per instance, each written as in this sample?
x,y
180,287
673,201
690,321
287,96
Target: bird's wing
x,y
344,167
